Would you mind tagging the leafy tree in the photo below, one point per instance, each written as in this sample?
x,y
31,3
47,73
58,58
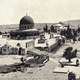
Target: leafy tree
x,y
0,33
52,28
18,44
69,54
69,32
78,29
46,27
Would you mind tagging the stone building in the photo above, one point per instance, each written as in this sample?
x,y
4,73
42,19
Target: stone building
x,y
26,29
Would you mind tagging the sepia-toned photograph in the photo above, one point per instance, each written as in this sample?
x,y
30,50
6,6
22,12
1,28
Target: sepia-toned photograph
x,y
39,39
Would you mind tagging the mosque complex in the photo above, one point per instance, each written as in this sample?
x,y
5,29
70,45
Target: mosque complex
x,y
49,46
28,36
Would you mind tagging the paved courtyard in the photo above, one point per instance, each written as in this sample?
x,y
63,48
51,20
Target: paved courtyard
x,y
43,73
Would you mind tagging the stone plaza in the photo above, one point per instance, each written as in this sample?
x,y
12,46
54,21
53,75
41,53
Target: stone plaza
x,y
46,72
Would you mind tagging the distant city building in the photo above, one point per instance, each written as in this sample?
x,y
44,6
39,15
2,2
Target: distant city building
x,y
58,27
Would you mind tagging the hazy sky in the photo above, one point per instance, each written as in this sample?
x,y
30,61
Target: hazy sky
x,y
11,11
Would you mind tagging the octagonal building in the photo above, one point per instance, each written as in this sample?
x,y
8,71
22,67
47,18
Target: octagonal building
x,y
26,29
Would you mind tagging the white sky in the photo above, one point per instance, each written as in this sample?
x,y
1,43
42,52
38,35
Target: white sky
x,y
11,11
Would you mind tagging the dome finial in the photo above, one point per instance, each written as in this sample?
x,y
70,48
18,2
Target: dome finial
x,y
26,14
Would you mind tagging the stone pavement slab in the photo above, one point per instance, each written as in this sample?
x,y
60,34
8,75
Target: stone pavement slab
x,y
60,70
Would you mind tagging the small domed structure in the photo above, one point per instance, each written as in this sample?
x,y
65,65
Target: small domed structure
x,y
26,23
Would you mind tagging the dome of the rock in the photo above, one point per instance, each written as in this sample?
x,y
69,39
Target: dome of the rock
x,y
26,22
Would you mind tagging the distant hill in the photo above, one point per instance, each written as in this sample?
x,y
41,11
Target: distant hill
x,y
74,23
10,27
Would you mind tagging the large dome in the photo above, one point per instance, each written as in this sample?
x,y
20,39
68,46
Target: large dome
x,y
26,23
